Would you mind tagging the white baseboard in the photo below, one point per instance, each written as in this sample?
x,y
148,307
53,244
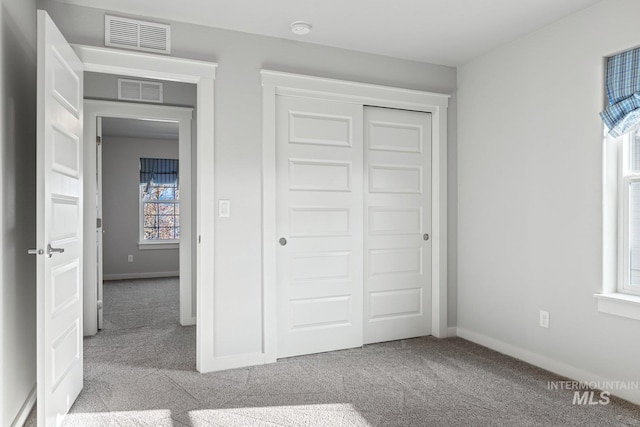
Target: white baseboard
x,y
189,322
551,365
452,331
27,406
153,275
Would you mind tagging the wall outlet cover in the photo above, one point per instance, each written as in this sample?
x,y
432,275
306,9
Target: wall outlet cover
x,y
544,319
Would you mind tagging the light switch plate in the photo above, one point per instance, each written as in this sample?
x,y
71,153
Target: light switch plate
x,y
224,208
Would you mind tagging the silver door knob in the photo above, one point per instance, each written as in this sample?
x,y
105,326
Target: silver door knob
x,y
35,252
51,251
282,241
425,236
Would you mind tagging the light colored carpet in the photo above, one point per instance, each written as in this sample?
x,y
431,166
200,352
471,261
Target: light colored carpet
x,y
140,371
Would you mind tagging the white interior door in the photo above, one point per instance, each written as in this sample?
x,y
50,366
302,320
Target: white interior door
x,y
59,224
319,223
99,225
397,261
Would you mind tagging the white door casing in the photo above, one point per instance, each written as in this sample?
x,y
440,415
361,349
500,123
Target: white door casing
x,y
397,222
319,198
59,224
202,74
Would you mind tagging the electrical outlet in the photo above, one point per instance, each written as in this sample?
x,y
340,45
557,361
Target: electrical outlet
x,y
129,258
544,319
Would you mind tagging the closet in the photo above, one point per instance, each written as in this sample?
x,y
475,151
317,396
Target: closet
x,y
353,217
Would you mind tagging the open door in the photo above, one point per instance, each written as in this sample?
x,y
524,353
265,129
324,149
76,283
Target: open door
x,y
59,224
99,227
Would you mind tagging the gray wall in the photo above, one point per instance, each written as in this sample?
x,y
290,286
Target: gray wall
x,y
531,196
105,87
238,139
17,218
120,208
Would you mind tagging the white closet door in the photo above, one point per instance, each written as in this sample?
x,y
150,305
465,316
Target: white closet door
x,y
397,261
319,214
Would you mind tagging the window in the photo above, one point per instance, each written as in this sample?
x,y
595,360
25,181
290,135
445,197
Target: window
x,y
159,201
620,293
629,215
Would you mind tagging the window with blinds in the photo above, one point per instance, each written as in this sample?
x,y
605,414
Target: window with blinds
x,y
159,200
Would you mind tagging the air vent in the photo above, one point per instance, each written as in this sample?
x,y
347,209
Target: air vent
x,y
141,91
138,35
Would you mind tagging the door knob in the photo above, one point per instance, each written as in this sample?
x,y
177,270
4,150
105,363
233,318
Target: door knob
x,y
51,251
425,236
35,252
282,241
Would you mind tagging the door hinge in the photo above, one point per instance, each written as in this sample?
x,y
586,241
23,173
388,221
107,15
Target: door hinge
x,y
98,140
98,222
99,304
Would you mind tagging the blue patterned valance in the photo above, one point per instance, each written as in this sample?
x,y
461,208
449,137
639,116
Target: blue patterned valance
x,y
622,115
158,171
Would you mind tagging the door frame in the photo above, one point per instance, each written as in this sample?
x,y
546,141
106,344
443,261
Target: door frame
x,y
93,109
280,83
202,74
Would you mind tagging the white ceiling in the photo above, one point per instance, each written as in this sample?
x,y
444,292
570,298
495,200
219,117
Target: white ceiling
x,y
135,128
448,32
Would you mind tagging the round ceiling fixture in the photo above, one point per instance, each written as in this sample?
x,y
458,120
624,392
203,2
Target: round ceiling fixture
x,y
300,28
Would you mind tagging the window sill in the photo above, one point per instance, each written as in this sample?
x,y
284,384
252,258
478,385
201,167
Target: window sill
x,y
143,246
618,304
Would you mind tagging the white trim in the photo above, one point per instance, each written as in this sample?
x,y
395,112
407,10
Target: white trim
x,y
618,304
94,109
144,65
551,365
154,275
279,83
163,244
26,408
452,331
202,74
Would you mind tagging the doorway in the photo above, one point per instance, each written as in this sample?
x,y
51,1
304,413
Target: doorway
x,y
202,75
141,120
139,236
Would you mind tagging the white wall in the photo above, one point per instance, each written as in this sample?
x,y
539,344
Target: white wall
x,y
120,208
530,197
238,127
17,217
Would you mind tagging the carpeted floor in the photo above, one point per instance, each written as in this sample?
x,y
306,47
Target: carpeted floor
x,y
140,371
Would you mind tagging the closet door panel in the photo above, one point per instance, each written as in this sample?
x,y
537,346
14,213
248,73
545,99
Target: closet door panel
x,y
397,258
319,175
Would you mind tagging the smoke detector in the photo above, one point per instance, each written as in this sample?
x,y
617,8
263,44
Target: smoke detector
x,y
300,28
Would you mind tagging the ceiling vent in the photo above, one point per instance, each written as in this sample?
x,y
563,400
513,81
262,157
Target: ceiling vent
x,y
141,91
137,35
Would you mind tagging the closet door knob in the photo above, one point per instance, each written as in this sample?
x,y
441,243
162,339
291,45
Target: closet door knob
x,y
425,236
282,241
